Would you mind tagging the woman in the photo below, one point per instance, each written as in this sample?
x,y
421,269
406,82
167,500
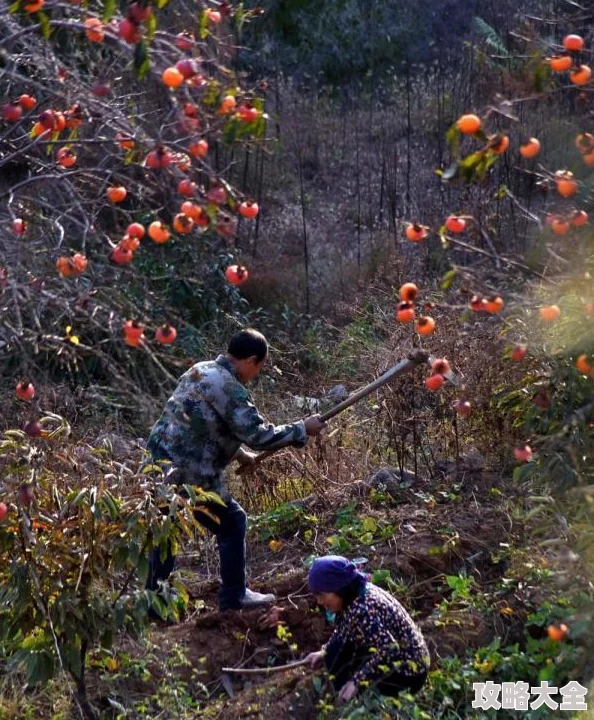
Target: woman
x,y
375,641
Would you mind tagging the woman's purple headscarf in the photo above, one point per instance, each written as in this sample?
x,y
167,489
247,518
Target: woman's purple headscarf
x,y
332,573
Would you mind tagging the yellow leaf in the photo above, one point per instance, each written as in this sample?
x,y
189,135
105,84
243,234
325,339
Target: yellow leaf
x,y
73,339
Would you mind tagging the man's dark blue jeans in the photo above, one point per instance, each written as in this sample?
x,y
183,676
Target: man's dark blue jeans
x,y
230,533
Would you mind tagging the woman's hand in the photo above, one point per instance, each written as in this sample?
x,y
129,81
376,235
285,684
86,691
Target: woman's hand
x,y
347,692
315,659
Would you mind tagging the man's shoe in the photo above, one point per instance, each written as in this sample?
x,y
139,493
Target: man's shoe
x,y
253,599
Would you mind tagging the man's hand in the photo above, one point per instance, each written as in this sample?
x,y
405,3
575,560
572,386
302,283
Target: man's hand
x,y
347,692
314,425
315,659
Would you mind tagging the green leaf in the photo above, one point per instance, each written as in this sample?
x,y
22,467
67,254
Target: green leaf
x,y
453,140
203,26
151,27
541,76
369,524
40,667
109,10
161,3
142,61
448,279
46,29
14,7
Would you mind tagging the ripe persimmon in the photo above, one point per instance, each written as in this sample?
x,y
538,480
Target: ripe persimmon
x,y
66,157
191,210
159,232
236,274
579,218
434,382
228,105
415,232
248,209
217,195
469,124
248,113
425,325
166,334
566,185
33,6
198,149
573,43
560,63
494,304
158,158
79,263
121,256
135,230
405,312
183,224
213,16
440,366
530,148
129,31
408,292
129,243
557,633
550,313
560,226
455,224
580,75
133,329
187,68
94,30
589,158
19,226
64,267
187,188
74,116
27,102
172,77
523,454
25,390
519,353
126,142
583,364
498,143
139,13
184,41
12,113
116,194
584,142
478,303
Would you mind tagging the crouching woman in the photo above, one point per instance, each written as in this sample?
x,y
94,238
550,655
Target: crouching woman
x,y
375,642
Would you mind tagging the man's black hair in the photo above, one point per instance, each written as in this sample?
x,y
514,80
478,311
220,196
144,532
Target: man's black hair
x,y
247,343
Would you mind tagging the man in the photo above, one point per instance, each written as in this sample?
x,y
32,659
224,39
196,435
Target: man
x,y
205,422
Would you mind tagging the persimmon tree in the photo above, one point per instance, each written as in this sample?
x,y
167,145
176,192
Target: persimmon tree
x,y
543,301
118,126
118,228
